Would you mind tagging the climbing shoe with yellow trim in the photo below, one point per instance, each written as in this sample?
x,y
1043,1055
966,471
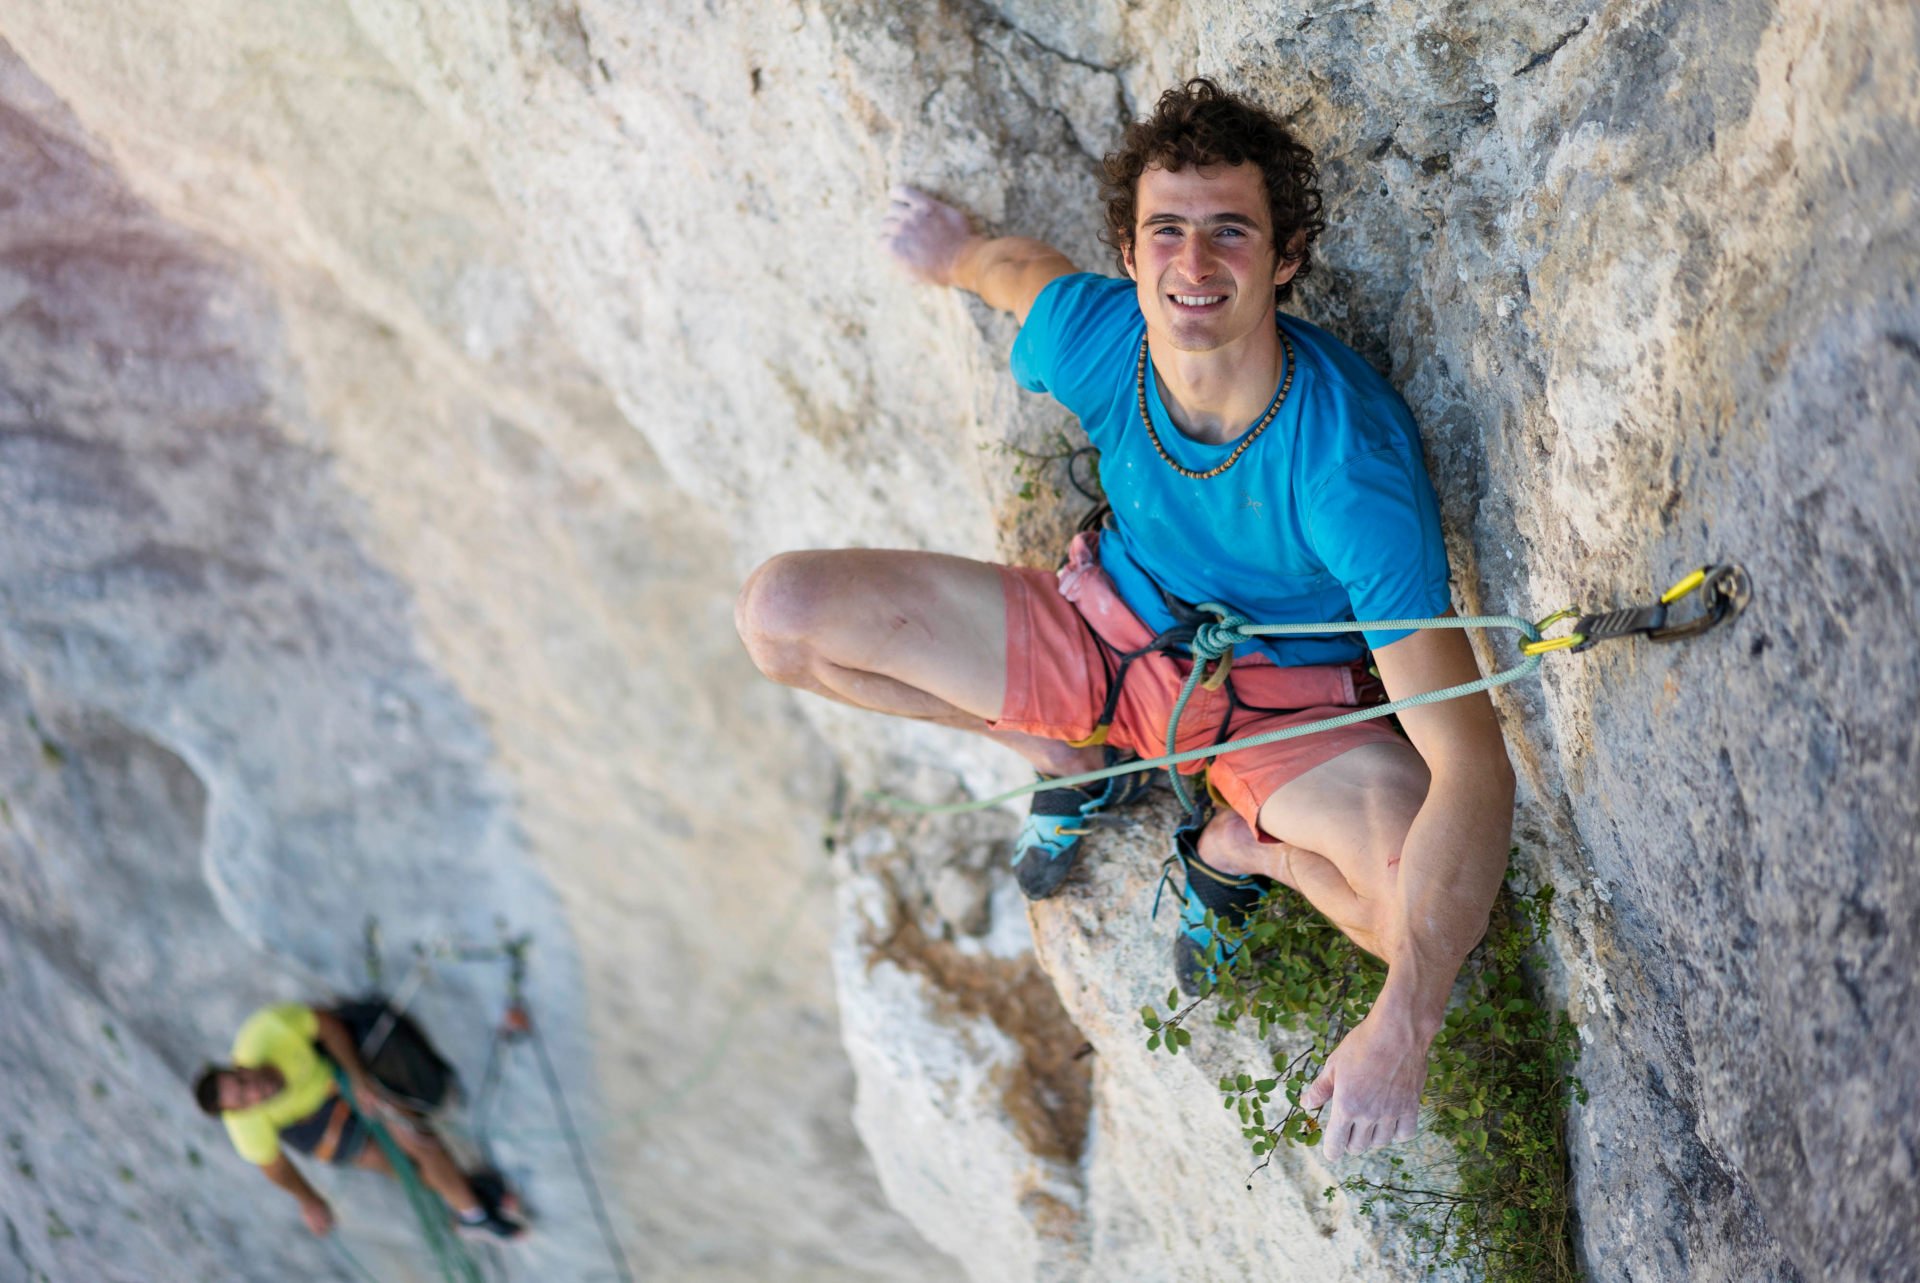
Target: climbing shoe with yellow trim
x,y
1049,841
1231,898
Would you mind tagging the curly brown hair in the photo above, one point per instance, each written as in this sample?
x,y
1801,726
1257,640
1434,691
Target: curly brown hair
x,y
1199,123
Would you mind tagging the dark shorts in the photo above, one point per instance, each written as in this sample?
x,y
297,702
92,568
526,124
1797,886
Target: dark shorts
x,y
309,1135
1063,632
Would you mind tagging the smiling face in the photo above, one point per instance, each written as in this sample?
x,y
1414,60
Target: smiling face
x,y
1203,257
245,1088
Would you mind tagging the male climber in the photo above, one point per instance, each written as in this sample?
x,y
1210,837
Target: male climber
x,y
1251,460
281,1088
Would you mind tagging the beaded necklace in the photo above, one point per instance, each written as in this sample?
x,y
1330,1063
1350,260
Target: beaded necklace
x,y
1279,398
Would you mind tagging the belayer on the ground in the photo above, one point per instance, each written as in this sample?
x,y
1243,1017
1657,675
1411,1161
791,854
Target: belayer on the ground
x,y
1250,460
281,1092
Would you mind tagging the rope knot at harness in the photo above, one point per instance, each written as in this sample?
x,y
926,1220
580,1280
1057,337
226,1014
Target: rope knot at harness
x,y
1218,637
1214,640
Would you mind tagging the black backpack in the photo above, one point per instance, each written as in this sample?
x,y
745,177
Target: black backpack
x,y
397,1053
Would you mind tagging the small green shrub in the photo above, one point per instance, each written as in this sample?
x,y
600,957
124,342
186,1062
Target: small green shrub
x,y
1498,1080
1035,471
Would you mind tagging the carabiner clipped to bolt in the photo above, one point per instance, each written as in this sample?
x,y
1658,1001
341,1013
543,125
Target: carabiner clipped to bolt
x,y
1724,592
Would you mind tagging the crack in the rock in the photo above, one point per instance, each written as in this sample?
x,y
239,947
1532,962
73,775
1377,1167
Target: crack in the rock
x,y
1001,20
1364,7
1546,55
1043,108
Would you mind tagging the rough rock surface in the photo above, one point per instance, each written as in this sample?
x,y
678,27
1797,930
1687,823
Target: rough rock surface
x,y
340,347
320,599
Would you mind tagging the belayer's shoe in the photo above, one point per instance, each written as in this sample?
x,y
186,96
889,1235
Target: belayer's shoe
x,y
491,1188
487,1219
1049,842
1230,897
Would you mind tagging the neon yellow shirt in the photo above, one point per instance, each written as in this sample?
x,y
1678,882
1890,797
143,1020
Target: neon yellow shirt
x,y
281,1036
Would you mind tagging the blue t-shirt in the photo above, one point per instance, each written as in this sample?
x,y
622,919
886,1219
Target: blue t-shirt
x,y
1328,516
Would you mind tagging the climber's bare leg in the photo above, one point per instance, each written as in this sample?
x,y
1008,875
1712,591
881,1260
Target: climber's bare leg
x,y
1340,828
912,634
430,1159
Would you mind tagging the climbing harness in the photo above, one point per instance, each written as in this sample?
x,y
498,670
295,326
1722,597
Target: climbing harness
x,y
1724,590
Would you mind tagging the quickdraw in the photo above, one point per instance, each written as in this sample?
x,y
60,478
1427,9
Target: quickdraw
x,y
1724,593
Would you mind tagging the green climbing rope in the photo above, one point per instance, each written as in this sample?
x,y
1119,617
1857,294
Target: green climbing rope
x,y
456,1264
352,1262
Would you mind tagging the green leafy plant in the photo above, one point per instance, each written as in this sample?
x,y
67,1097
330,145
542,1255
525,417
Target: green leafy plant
x,y
1033,470
1498,1080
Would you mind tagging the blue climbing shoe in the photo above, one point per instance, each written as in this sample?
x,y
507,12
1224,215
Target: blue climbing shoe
x,y
1049,842
1231,898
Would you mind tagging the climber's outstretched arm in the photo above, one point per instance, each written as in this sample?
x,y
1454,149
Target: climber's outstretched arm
x,y
936,244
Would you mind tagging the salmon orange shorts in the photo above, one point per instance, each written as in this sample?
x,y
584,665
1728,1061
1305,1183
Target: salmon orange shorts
x,y
1065,631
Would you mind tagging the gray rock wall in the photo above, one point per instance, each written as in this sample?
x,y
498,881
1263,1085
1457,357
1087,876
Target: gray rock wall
x,y
490,344
329,589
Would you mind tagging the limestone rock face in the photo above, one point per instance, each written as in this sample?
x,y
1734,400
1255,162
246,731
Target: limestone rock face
x,y
311,610
392,391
